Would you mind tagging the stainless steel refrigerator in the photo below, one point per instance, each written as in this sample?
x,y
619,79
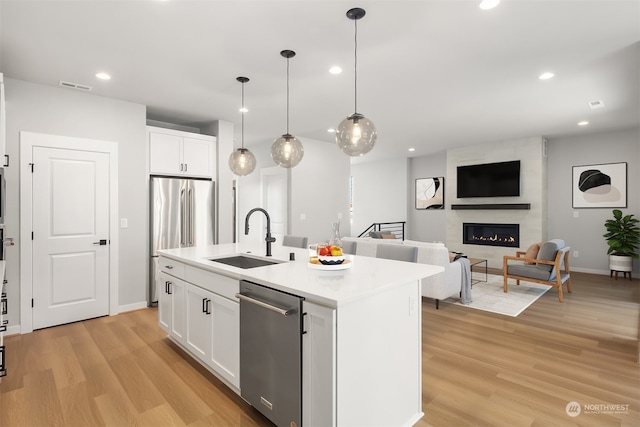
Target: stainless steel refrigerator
x,y
182,215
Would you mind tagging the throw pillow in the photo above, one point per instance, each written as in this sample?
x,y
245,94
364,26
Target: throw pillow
x,y
388,236
532,252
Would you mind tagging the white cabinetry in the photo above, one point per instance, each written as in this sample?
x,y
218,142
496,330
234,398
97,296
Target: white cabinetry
x,y
4,159
319,366
198,313
180,153
3,321
171,306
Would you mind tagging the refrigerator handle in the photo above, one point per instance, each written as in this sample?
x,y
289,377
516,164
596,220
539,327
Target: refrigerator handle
x,y
183,218
191,215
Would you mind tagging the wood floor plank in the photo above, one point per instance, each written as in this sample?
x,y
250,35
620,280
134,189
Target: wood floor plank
x,y
183,400
79,407
12,408
42,402
64,364
141,391
163,415
116,409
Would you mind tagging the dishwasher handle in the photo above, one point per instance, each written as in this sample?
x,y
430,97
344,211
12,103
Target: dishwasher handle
x,y
283,311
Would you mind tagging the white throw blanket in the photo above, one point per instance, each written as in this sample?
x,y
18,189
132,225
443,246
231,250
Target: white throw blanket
x,y
465,286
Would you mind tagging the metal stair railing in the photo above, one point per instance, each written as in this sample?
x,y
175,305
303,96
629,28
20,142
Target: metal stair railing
x,y
396,228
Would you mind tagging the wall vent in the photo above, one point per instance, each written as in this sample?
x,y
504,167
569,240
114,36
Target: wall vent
x,y
596,104
75,86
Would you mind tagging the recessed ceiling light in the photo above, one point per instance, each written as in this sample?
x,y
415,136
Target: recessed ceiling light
x,y
583,123
103,76
335,70
412,149
596,104
331,130
488,4
546,76
243,109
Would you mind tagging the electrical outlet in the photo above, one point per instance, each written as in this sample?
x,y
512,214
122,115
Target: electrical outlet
x,y
576,214
303,217
576,254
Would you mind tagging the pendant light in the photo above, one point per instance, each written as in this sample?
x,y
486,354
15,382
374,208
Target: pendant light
x,y
287,150
356,135
242,161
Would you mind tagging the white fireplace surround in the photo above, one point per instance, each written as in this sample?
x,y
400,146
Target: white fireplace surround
x,y
533,175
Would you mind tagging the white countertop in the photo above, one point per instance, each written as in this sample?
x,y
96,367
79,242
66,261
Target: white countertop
x,y
367,276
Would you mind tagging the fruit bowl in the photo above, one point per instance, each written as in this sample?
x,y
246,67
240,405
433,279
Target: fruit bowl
x,y
331,260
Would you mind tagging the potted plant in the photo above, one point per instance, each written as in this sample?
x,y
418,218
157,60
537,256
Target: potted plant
x,y
623,237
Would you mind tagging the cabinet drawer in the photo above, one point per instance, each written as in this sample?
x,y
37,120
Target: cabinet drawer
x,y
172,267
221,285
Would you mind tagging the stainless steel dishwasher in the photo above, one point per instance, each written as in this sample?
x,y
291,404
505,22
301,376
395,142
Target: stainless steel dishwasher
x,y
271,352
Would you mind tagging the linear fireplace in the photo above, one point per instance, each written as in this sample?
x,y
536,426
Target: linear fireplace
x,y
507,235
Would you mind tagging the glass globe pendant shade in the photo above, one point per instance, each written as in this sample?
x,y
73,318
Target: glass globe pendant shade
x,y
287,151
242,162
356,135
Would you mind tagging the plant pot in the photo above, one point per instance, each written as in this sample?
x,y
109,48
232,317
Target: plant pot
x,y
620,263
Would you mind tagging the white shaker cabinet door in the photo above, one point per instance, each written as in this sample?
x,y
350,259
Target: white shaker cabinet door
x,y
198,317
164,302
196,157
225,339
319,366
165,153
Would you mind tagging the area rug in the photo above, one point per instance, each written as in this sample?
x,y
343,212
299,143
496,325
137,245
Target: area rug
x,y
489,296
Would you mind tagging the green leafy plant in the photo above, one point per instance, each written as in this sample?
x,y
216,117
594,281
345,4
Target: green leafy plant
x,y
623,234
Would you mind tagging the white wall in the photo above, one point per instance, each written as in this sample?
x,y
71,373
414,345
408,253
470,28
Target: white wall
x,y
320,191
379,192
318,188
584,233
426,225
223,131
60,111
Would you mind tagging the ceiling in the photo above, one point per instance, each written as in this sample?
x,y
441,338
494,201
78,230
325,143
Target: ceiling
x,y
432,74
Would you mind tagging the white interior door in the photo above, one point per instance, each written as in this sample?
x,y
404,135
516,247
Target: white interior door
x,y
275,199
70,235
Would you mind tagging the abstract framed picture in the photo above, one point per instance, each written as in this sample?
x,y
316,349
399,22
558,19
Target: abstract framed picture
x,y
600,186
430,193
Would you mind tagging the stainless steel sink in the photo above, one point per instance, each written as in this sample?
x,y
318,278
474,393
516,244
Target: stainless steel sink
x,y
242,261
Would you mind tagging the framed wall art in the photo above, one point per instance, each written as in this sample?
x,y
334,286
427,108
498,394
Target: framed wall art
x,y
600,186
430,193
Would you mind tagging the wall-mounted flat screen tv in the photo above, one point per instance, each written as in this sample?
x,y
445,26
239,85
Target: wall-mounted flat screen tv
x,y
489,180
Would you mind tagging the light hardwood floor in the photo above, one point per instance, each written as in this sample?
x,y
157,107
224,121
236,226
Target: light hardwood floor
x,y
479,369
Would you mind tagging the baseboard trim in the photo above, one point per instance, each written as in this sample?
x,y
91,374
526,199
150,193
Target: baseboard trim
x,y
132,307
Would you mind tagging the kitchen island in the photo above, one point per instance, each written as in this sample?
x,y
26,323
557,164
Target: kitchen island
x,y
361,346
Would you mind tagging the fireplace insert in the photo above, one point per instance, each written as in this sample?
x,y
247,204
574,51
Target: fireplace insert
x,y
507,235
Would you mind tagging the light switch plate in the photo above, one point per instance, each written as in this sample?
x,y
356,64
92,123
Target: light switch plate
x,y
124,223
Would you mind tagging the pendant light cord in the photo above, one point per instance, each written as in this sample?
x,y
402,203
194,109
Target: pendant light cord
x,y
355,67
242,119
287,96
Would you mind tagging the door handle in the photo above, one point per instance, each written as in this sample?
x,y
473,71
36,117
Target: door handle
x,y
206,309
183,217
191,215
101,242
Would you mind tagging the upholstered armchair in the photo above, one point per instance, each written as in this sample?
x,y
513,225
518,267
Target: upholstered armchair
x,y
550,266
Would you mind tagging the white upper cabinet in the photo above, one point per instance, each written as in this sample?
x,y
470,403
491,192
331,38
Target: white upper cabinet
x,y
181,153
